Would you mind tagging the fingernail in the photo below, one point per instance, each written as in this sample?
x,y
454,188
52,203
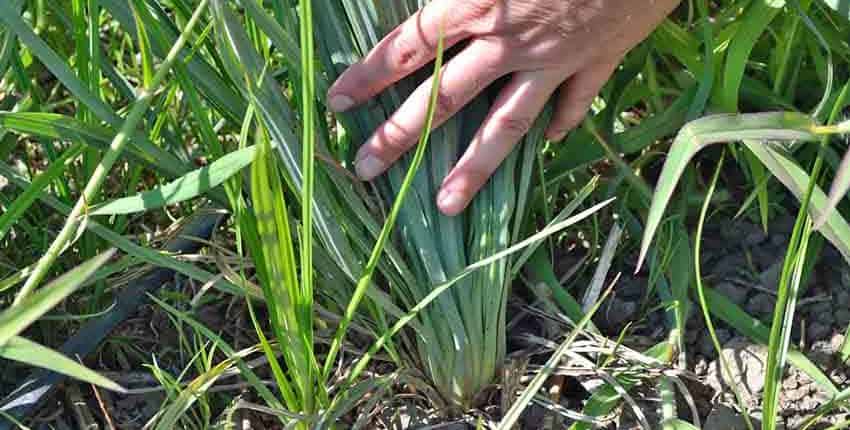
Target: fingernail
x,y
557,137
450,202
368,166
340,103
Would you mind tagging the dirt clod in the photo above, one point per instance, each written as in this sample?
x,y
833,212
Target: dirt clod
x,y
746,362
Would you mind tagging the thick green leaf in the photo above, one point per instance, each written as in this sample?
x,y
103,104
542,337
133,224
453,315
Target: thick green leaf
x,y
695,136
33,354
16,319
185,188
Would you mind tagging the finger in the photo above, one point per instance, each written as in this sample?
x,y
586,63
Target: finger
x,y
511,117
464,77
576,97
402,52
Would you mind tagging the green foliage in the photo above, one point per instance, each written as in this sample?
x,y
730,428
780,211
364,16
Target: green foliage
x,y
240,87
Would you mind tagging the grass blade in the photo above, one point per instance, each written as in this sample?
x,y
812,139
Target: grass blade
x,y
366,279
33,354
512,415
701,291
781,126
16,319
184,188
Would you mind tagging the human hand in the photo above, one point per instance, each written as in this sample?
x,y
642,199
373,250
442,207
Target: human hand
x,y
546,45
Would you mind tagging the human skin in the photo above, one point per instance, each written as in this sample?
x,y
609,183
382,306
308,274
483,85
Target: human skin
x,y
565,48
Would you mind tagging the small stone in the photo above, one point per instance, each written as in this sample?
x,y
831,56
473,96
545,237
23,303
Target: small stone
x,y
692,336
836,342
796,421
790,383
808,404
632,289
729,265
701,367
822,352
761,304
783,225
820,309
838,376
734,293
793,395
821,313
842,298
706,347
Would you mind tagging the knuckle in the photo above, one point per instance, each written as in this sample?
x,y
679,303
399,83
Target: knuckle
x,y
447,104
514,126
394,138
406,55
480,9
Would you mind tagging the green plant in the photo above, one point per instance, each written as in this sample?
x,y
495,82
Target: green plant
x,y
460,341
322,254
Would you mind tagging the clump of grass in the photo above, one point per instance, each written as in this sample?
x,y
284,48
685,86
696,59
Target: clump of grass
x,y
460,341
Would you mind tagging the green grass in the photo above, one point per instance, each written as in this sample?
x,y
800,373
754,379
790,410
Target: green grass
x,y
119,118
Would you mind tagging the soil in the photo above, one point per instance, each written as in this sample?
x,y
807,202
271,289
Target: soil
x,y
743,262
740,261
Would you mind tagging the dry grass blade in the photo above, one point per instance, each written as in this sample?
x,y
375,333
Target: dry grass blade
x,y
512,415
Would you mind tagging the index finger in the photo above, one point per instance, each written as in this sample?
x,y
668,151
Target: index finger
x,y
402,52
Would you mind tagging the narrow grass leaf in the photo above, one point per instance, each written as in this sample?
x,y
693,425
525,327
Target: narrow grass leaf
x,y
62,127
787,126
184,188
389,225
701,291
754,22
33,354
129,247
437,290
840,6
64,74
198,387
16,319
513,414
